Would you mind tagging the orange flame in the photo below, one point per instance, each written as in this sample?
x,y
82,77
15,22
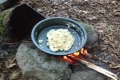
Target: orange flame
x,y
67,59
82,51
76,54
85,51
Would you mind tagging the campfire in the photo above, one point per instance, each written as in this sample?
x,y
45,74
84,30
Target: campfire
x,y
79,54
77,58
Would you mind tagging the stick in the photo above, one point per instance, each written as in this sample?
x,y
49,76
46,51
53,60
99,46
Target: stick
x,y
94,67
90,56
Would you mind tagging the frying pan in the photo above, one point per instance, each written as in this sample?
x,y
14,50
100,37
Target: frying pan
x,y
40,30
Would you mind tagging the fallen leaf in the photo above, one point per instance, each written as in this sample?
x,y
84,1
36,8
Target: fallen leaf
x,y
92,18
9,65
15,75
110,28
115,66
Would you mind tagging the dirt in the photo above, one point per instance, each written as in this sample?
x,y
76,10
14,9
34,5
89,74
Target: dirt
x,y
102,15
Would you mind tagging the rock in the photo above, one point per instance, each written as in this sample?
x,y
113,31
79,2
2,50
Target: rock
x,y
2,77
5,4
35,63
4,20
22,20
13,32
87,75
92,36
1,6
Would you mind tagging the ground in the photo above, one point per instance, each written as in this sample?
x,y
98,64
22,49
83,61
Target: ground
x,y
102,15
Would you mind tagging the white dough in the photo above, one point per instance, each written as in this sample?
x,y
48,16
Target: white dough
x,y
60,40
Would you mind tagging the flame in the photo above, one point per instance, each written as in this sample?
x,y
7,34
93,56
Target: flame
x,y
76,54
85,51
82,51
67,59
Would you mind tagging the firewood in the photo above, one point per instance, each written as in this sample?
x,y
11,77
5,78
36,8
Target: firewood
x,y
88,55
95,67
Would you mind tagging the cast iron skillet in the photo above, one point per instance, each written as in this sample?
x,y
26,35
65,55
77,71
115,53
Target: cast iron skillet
x,y
39,32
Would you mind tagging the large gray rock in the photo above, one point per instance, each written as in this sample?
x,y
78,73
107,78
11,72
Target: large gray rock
x,y
87,75
35,63
92,36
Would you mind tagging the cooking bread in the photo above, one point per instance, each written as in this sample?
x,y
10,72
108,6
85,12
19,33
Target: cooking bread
x,y
60,40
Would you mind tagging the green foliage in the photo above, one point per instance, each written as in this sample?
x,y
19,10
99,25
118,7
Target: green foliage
x,y
2,14
1,19
110,28
1,30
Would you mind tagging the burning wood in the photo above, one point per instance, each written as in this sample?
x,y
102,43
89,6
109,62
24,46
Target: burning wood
x,y
86,54
76,58
94,67
82,52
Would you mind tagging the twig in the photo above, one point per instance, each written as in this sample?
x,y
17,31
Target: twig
x,y
11,43
88,55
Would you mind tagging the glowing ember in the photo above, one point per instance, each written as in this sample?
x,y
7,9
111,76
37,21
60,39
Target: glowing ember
x,y
85,51
76,55
82,51
64,57
69,60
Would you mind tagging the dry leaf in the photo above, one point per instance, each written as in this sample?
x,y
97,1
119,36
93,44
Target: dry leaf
x,y
115,66
15,75
10,63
